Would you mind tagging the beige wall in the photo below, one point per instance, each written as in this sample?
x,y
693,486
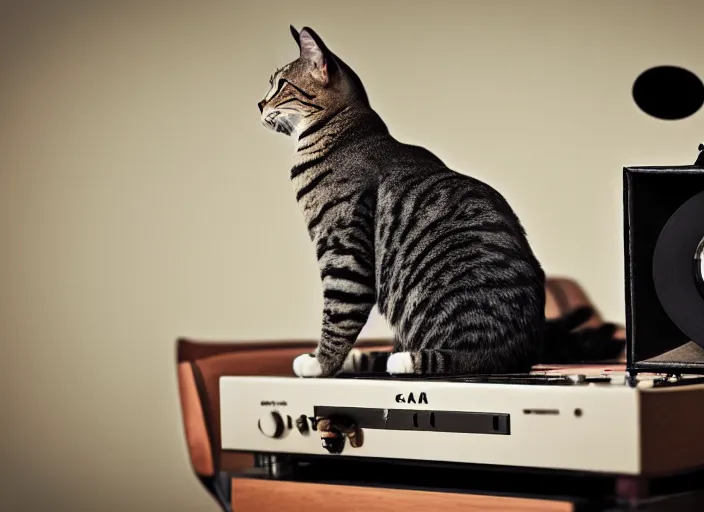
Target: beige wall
x,y
140,198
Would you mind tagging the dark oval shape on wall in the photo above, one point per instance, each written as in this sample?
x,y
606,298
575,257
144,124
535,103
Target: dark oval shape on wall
x,y
668,92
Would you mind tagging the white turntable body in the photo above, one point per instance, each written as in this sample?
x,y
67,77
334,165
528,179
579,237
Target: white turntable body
x,y
601,426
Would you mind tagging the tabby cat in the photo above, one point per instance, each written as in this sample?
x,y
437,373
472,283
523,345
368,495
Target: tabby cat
x,y
442,255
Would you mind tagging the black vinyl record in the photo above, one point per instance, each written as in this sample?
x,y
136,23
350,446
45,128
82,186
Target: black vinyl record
x,y
677,268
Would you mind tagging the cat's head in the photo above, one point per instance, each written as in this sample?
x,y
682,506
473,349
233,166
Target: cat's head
x,y
311,89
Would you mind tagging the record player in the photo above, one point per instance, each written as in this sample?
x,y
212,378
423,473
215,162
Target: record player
x,y
593,437
593,420
632,423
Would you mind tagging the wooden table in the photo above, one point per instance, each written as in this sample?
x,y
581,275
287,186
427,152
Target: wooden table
x,y
361,486
255,495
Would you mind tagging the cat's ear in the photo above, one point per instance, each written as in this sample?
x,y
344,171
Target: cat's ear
x,y
296,36
313,49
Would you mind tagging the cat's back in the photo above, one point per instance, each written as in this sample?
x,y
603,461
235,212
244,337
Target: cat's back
x,y
438,228
409,172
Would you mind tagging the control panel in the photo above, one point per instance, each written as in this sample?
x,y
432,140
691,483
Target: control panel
x,y
274,424
425,420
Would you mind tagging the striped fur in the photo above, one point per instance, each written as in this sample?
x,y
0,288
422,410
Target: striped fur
x,y
442,255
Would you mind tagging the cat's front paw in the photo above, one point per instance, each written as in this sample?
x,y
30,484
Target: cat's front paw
x,y
306,365
400,362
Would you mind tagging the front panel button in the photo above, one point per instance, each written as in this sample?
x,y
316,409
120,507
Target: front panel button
x,y
272,425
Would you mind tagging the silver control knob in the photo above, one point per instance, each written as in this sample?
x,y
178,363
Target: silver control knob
x,y
271,425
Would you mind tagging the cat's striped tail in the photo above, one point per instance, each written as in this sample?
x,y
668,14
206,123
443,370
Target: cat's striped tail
x,y
564,342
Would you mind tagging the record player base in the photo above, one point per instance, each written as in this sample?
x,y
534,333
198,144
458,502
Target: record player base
x,y
255,495
346,486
